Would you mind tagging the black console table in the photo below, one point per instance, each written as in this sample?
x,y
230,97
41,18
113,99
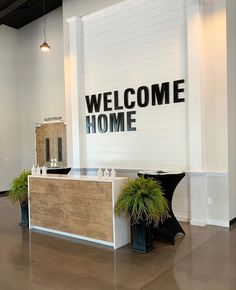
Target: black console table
x,y
168,181
58,170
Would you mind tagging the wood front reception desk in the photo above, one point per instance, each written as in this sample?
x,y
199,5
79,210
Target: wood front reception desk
x,y
79,207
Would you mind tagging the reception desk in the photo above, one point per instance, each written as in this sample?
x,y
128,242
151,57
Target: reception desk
x,y
79,207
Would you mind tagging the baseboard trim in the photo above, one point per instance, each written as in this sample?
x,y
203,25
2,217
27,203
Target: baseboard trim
x,y
232,221
182,218
219,223
200,223
3,193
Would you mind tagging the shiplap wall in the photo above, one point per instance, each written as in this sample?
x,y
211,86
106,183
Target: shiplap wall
x,y
130,44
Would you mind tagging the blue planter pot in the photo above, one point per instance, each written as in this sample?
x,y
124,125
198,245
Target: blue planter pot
x,y
141,237
24,215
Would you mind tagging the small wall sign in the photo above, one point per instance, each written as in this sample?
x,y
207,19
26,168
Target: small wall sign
x,y
49,119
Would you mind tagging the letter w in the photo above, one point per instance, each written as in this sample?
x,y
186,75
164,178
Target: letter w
x,y
93,104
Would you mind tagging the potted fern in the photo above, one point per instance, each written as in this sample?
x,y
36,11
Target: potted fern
x,y
19,193
143,202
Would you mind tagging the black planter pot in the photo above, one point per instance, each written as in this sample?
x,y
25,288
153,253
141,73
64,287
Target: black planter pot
x,y
141,237
24,214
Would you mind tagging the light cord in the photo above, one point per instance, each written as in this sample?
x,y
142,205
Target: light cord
x,y
44,22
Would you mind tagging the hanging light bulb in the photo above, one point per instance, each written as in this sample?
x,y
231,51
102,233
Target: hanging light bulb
x,y
45,46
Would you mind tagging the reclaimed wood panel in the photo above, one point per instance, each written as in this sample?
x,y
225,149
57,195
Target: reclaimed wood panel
x,y
47,203
90,189
74,206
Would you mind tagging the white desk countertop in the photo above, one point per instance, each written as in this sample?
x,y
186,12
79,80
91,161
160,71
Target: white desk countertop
x,y
77,177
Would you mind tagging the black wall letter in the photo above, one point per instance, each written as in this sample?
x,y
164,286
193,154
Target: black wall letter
x,y
126,98
145,102
161,95
116,98
107,101
177,90
130,121
117,122
93,104
90,125
102,123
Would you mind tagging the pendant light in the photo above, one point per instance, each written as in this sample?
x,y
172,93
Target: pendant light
x,y
45,46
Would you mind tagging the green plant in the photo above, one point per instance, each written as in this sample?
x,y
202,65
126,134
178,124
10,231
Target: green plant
x,y
142,200
19,187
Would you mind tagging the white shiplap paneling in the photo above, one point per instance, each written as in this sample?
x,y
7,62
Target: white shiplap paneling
x,y
131,44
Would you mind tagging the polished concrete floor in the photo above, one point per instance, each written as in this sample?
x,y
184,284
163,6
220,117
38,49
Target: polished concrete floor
x,y
205,259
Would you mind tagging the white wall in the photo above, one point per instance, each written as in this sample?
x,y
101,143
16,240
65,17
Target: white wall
x,y
39,93
76,8
9,109
215,85
216,109
118,52
231,72
81,8
208,75
129,45
137,75
207,70
40,79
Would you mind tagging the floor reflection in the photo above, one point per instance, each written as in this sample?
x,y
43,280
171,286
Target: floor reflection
x,y
204,259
